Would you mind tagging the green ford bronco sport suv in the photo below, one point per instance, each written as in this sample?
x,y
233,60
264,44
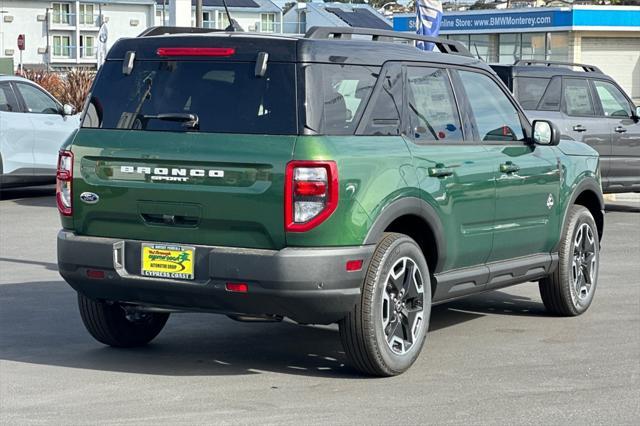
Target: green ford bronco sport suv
x,y
341,177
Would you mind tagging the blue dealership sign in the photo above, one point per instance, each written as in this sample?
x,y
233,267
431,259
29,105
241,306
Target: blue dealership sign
x,y
506,21
549,19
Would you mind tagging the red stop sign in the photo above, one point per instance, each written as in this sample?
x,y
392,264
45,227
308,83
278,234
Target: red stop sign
x,y
21,42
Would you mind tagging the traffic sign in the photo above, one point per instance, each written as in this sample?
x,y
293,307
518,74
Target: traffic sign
x,y
21,42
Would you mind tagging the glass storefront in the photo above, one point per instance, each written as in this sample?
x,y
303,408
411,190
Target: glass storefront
x,y
510,47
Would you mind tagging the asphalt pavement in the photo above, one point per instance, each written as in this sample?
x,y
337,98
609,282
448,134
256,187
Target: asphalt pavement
x,y
496,358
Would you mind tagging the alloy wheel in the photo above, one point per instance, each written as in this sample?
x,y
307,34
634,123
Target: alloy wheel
x,y
584,266
403,306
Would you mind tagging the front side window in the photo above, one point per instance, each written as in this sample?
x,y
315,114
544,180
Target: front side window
x,y
36,100
8,101
576,97
336,96
496,118
190,96
62,46
431,105
614,103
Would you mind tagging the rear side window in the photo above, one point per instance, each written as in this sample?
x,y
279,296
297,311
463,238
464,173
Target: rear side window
x,y
576,97
552,96
8,101
496,118
225,97
386,106
336,96
432,106
529,91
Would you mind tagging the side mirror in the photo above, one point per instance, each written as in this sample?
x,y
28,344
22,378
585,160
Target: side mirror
x,y
545,133
68,110
637,113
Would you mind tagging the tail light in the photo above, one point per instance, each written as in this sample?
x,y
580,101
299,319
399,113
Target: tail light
x,y
64,178
311,194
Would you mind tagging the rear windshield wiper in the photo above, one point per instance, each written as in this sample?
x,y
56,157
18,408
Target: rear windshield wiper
x,y
190,120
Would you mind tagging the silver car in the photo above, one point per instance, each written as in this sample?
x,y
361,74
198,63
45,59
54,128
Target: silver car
x,y
33,126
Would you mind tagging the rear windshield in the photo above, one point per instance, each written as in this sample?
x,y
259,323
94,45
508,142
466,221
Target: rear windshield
x,y
205,96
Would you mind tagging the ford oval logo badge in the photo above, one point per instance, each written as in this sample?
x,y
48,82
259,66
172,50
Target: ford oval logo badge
x,y
89,197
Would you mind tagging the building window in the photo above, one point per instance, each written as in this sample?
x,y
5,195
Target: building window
x,y
222,21
558,46
484,46
509,50
268,22
162,17
62,46
207,20
533,46
61,13
462,38
87,46
86,14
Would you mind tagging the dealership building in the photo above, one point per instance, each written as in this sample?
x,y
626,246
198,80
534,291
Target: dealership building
x,y
605,36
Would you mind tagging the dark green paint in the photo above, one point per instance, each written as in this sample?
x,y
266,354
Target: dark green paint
x,y
486,214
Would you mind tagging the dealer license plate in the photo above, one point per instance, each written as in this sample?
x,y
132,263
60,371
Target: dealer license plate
x,y
168,261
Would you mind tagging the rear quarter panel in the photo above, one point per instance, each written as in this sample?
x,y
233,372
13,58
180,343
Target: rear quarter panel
x,y
373,171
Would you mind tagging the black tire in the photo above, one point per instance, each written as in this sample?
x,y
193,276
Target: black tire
x,y
562,292
108,323
363,331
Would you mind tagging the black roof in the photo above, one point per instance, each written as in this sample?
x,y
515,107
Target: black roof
x,y
289,48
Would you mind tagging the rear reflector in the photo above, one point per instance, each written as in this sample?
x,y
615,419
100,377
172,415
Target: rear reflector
x,y
237,287
354,265
196,51
95,274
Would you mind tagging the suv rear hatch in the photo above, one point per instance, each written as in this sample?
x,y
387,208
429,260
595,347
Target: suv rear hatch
x,y
184,141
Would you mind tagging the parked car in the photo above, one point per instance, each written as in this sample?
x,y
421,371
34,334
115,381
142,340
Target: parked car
x,y
33,126
229,173
588,106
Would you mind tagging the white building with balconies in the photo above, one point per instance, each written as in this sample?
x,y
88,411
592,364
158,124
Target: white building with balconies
x,y
262,16
64,34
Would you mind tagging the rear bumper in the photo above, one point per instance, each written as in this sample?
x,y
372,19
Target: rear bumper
x,y
308,285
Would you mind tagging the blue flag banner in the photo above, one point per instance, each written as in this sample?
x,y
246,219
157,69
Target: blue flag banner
x,y
428,19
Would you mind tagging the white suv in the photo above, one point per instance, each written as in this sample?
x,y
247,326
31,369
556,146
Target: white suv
x,y
33,126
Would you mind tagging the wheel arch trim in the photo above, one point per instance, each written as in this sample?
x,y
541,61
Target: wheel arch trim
x,y
586,185
410,206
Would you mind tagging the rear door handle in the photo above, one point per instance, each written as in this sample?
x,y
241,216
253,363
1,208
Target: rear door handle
x,y
509,167
619,129
440,171
579,128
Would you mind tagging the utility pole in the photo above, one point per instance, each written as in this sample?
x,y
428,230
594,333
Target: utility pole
x,y
199,13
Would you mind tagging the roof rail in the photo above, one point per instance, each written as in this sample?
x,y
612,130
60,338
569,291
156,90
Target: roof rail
x,y
585,67
162,30
445,46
